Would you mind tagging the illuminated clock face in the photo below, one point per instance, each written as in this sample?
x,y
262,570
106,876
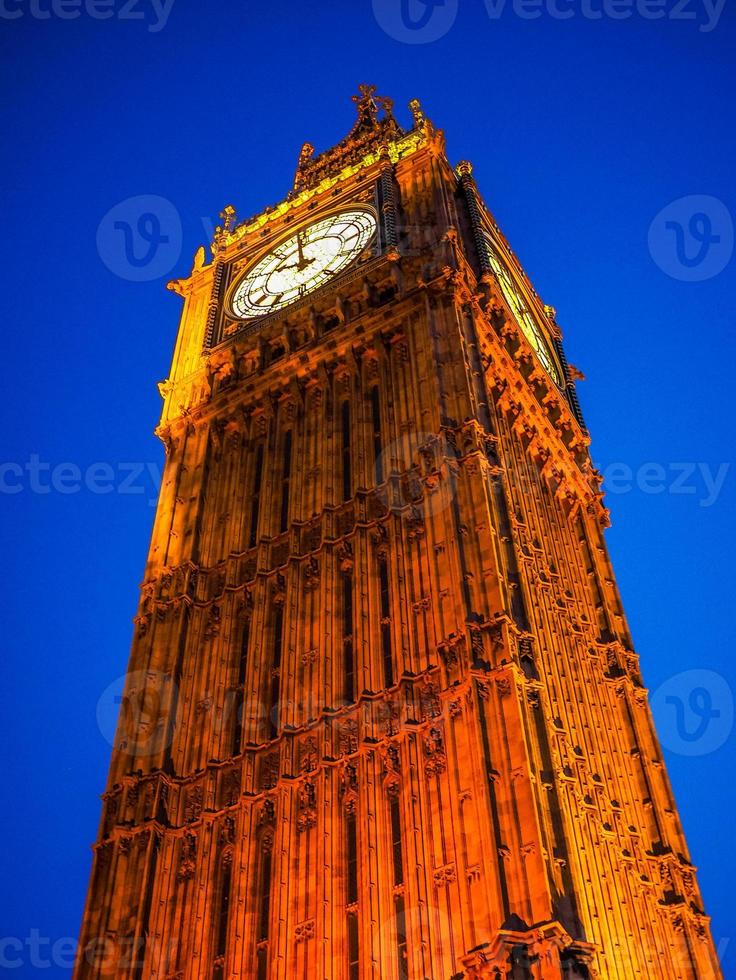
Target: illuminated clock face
x,y
523,315
303,263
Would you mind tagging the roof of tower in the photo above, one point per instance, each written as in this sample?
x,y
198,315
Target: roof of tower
x,y
375,134
375,124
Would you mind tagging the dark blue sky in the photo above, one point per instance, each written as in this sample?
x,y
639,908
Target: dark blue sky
x,y
581,132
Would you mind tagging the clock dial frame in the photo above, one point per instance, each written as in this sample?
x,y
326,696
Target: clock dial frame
x,y
523,314
303,262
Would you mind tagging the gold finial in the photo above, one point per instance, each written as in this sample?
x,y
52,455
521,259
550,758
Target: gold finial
x,y
415,107
365,95
228,217
306,155
367,108
464,169
200,257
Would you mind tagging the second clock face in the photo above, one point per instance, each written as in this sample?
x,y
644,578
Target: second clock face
x,y
303,263
522,313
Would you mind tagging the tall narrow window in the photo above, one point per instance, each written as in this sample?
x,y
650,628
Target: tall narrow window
x,y
401,950
255,504
347,483
278,642
396,843
221,922
240,699
264,914
262,973
347,638
388,666
264,908
353,947
351,841
278,636
285,484
351,834
377,443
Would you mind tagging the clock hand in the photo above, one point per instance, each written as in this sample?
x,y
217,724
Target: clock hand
x,y
261,301
296,265
303,263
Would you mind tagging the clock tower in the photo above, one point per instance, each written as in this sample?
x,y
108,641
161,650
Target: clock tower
x,y
383,716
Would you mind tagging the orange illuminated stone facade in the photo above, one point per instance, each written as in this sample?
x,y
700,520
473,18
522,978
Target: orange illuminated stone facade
x,y
383,717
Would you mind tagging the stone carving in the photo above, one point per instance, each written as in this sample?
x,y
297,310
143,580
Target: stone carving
x,y
434,751
267,814
104,854
304,931
313,537
349,778
307,806
187,857
227,830
445,876
345,556
308,755
270,770
379,539
388,717
231,787
431,706
503,686
348,738
450,649
477,646
278,590
212,628
415,524
391,761
193,806
311,575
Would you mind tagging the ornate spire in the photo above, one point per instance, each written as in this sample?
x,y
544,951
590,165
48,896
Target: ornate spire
x,y
368,105
375,124
367,109
415,107
306,155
